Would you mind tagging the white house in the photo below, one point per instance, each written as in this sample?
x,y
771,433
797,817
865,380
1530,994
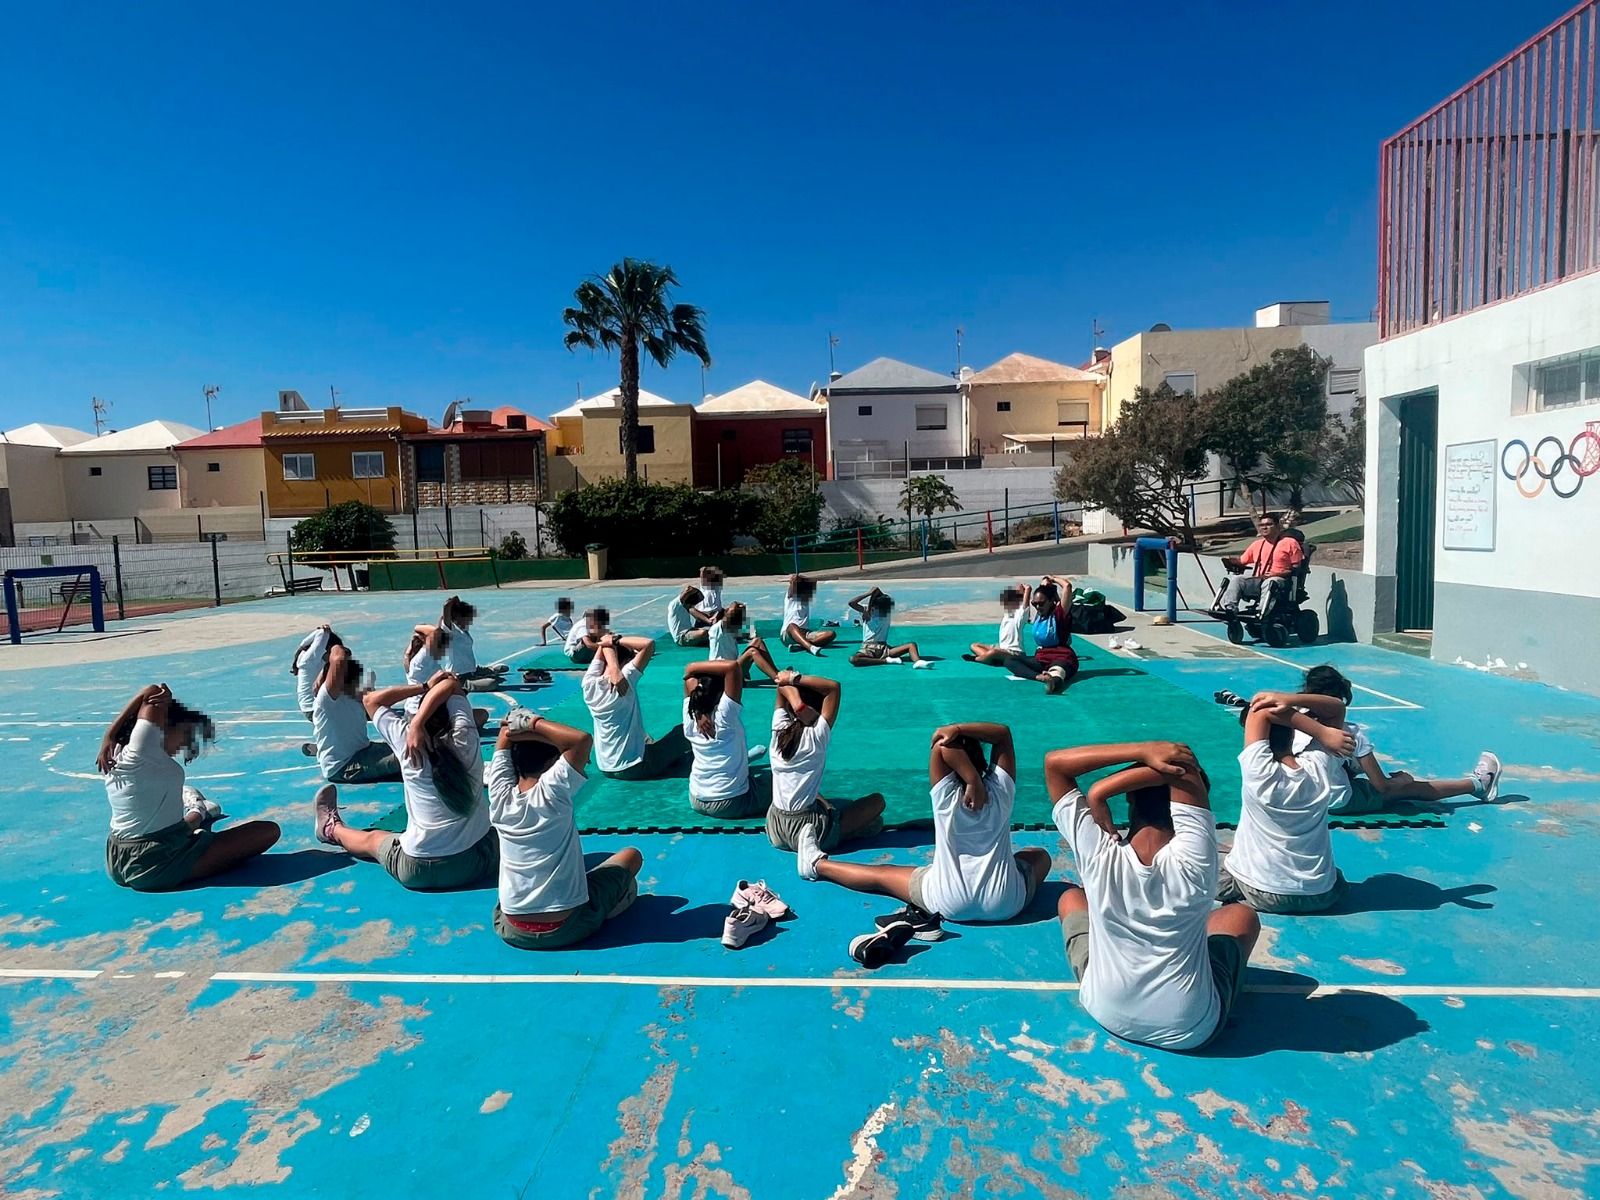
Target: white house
x,y
117,476
886,412
31,493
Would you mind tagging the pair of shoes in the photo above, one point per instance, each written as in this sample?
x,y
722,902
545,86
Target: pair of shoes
x,y
872,950
1115,643
195,802
830,624
1486,776
755,906
1231,699
742,924
925,926
1130,644
326,805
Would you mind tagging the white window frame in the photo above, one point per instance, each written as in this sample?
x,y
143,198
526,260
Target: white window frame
x,y
360,457
1192,387
1585,367
299,474
944,418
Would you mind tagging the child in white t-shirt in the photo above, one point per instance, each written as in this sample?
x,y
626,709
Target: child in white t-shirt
x,y
583,639
425,653
558,623
711,592
1158,965
461,658
611,692
713,724
797,633
1014,603
976,875
307,664
804,711
546,899
687,624
876,608
724,636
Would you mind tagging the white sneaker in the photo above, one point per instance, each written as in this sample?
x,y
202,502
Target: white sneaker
x,y
922,664
194,801
1130,644
1486,776
807,854
760,897
755,752
1115,643
740,924
895,659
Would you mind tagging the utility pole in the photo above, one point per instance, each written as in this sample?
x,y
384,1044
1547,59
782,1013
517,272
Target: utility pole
x,y
211,391
832,342
959,332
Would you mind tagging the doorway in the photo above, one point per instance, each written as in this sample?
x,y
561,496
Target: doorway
x,y
1413,569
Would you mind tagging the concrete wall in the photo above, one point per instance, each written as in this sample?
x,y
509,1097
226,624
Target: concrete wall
x,y
979,491
122,489
239,481
1034,409
1487,602
671,462
891,425
33,476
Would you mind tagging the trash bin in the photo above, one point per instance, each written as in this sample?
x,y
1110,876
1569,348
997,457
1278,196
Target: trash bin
x,y
363,579
598,560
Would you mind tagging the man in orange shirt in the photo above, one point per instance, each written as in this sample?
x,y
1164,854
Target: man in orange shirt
x,y
1269,559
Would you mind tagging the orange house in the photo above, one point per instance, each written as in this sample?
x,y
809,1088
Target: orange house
x,y
316,459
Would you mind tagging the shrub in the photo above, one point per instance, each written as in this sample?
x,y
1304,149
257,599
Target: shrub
x,y
640,520
790,503
512,546
877,533
349,528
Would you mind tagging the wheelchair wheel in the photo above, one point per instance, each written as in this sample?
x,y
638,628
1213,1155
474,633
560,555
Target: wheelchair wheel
x,y
1306,626
1235,632
1276,635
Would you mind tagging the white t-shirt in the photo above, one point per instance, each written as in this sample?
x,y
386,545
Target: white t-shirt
x,y
432,830
713,597
796,612
561,623
541,860
574,636
340,727
1010,635
422,666
973,876
722,646
618,723
145,786
721,768
875,629
308,665
1149,973
796,782
1339,780
1282,844
679,620
459,657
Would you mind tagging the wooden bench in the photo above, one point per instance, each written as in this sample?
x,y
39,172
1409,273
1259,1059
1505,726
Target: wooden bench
x,y
71,590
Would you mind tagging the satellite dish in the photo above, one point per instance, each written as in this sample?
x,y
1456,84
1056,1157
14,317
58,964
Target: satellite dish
x,y
813,393
1161,327
450,414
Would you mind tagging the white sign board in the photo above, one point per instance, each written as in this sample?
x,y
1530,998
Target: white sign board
x,y
1469,486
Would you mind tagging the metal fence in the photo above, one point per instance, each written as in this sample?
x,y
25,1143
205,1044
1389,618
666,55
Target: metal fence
x,y
1496,191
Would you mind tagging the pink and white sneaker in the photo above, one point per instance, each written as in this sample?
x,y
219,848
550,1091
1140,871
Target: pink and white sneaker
x,y
760,897
327,806
740,925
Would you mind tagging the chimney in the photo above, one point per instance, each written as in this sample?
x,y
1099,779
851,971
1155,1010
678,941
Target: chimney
x,y
1293,312
835,376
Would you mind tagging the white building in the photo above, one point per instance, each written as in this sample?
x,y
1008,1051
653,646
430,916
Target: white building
x,y
887,412
118,476
31,492
1483,434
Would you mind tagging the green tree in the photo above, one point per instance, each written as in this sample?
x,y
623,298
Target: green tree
x,y
1265,422
927,495
1141,468
642,520
327,539
790,502
1342,455
628,308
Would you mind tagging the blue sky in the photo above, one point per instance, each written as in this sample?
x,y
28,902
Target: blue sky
x,y
398,200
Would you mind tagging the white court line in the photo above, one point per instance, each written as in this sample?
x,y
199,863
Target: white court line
x,y
40,973
1357,686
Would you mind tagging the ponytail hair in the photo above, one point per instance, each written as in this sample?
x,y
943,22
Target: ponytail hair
x,y
451,779
703,701
787,740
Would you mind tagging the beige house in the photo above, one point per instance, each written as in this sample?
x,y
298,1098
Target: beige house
x,y
119,476
1024,404
224,468
31,490
588,444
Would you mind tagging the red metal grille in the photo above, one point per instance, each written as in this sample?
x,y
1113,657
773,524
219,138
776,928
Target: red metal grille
x,y
1495,192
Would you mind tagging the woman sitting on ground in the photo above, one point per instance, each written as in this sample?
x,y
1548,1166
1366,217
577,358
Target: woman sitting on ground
x,y
877,610
1053,661
161,836
546,898
976,874
797,633
339,722
713,724
447,842
724,643
803,715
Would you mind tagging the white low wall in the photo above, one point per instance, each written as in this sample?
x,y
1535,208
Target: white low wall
x,y
982,490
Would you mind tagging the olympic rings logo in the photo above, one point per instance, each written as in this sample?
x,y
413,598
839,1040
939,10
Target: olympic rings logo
x,y
1549,462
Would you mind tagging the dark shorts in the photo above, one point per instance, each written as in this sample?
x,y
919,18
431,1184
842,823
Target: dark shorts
x,y
582,655
752,802
872,650
660,757
1231,891
611,890
373,763
158,861
1031,666
1364,798
473,864
1227,966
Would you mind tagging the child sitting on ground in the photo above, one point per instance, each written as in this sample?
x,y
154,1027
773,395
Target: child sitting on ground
x,y
546,899
796,632
687,624
803,715
558,623
584,638
1008,643
724,643
711,592
876,608
461,659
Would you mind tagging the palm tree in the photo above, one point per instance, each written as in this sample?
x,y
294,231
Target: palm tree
x,y
628,307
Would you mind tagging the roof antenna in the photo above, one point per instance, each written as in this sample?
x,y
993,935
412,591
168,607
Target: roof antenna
x,y
101,408
957,371
211,391
1096,332
832,342
333,396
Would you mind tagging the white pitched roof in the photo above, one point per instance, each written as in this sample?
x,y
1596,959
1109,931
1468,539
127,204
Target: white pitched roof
x,y
59,436
759,396
152,435
611,399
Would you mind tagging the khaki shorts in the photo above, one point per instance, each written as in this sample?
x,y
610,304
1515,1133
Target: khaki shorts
x,y
440,874
1028,878
873,650
784,826
373,763
159,861
610,888
752,802
1227,966
660,758
1232,891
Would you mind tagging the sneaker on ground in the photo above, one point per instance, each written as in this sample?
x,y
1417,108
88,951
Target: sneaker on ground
x,y
807,853
327,809
1115,643
969,658
760,897
194,801
1486,776
895,659
1130,644
872,950
925,926
921,664
741,923
309,749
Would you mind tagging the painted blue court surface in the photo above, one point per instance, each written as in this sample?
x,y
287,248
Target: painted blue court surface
x,y
304,1026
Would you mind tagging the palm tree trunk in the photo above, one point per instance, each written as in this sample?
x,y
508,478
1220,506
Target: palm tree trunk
x,y
629,425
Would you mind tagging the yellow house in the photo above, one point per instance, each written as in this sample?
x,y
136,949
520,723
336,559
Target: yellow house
x,y
1024,404
316,459
589,440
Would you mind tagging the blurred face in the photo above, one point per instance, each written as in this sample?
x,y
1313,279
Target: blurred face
x,y
182,740
1042,605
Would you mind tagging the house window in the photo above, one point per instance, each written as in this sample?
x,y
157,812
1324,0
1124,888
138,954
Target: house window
x,y
1344,382
214,468
162,479
1183,381
644,444
94,471
1002,406
430,464
299,466
863,410
1565,382
367,464
1072,412
932,416
516,421
730,435
797,441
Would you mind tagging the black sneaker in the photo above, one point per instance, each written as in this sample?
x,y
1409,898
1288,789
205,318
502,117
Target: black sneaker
x,y
925,926
309,749
872,950
1230,699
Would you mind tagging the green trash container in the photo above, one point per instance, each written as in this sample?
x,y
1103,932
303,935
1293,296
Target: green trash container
x,y
599,559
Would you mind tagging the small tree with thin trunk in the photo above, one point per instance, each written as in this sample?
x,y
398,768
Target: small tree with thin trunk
x,y
928,495
1264,422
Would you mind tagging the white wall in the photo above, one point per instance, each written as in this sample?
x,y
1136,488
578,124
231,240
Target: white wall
x,y
1541,544
979,491
1346,345
120,491
893,422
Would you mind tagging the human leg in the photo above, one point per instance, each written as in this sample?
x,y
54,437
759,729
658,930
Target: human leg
x,y
373,763
860,877
821,637
1034,863
329,827
756,656
907,651
875,654
1073,912
694,637
666,752
230,847
1024,666
858,819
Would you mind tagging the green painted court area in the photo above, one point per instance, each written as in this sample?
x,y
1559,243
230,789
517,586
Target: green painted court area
x,y
888,715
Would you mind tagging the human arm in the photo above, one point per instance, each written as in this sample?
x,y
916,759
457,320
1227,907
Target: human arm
x,y
338,666
729,670
148,703
439,690
1062,767
789,685
859,603
945,760
390,696
574,745
1327,709
990,733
